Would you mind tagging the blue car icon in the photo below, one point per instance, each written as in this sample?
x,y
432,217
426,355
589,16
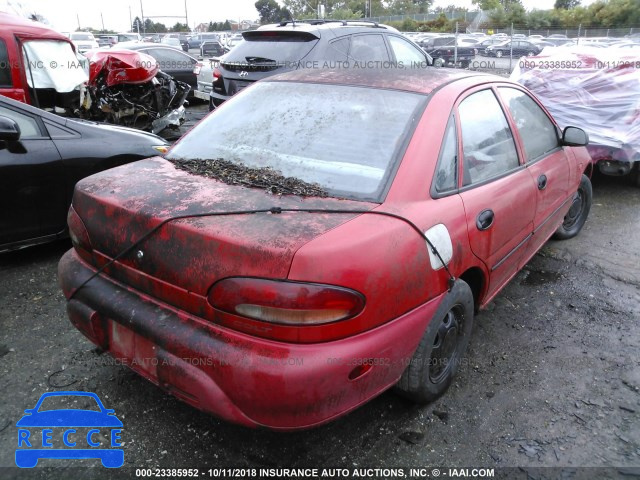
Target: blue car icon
x,y
62,424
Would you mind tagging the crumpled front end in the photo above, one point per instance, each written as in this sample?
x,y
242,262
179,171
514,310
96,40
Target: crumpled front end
x,y
127,88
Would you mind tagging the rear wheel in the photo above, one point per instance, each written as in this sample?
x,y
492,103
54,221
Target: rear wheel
x,y
498,53
439,62
530,54
445,340
578,212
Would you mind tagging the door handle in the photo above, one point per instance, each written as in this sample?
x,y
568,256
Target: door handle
x,y
542,182
485,219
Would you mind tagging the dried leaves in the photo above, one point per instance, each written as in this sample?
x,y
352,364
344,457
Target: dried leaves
x,y
239,174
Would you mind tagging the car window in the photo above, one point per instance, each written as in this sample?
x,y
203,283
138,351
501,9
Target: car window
x,y
28,125
170,59
338,50
5,66
346,139
538,133
405,52
369,47
447,169
265,47
69,402
487,142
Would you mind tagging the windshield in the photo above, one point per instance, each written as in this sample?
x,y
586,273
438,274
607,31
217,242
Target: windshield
x,y
344,139
272,49
53,64
64,402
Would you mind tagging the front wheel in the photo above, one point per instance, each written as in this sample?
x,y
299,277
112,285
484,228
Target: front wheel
x,y
530,54
578,212
440,351
439,62
498,53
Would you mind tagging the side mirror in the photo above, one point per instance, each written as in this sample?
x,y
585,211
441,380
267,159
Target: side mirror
x,y
574,137
9,130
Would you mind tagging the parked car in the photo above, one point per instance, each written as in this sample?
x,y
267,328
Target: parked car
x,y
482,46
83,41
42,156
172,61
32,82
274,269
107,40
520,48
212,48
273,49
172,42
196,40
129,37
444,51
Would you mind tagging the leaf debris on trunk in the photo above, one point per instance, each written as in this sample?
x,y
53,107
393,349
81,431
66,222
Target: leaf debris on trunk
x,y
239,174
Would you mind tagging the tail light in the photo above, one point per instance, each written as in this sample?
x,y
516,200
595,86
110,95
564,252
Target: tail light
x,y
285,303
216,74
79,235
197,68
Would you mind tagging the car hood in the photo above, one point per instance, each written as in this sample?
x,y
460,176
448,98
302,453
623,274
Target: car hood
x,y
119,206
69,418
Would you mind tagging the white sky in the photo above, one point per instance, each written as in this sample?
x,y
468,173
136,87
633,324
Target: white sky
x,y
63,14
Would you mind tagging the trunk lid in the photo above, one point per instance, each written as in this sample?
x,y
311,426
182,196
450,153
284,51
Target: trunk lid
x,y
119,206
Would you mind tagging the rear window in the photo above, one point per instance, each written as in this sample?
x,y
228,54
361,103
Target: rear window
x,y
82,36
346,139
271,47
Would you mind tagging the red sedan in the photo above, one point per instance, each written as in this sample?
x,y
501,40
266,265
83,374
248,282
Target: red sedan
x,y
321,238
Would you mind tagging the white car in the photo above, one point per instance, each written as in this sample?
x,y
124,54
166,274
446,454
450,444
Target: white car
x,y
83,41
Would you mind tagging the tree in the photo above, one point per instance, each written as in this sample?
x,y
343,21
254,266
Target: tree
x,y
566,4
137,25
180,27
270,11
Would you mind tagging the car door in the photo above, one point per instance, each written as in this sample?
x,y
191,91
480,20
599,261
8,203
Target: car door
x,y
32,187
545,159
496,190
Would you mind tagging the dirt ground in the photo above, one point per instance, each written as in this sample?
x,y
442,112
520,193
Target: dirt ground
x,y
551,378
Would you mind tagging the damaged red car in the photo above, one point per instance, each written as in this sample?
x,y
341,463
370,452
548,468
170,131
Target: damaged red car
x,y
322,237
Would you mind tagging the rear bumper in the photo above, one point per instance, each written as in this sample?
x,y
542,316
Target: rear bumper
x,y
237,377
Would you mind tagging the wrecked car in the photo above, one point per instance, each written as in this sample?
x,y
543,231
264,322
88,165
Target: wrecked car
x,y
128,88
280,273
42,156
599,87
39,66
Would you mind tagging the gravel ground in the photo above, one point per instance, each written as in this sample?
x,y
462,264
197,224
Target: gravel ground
x,y
551,378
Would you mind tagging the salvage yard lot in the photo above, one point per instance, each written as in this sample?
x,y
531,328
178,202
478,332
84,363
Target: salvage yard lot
x,y
551,377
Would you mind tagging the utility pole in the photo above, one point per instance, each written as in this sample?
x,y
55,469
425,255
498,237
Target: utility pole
x,y
130,20
142,15
78,17
102,18
186,18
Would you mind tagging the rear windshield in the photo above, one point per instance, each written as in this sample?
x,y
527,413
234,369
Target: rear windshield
x,y
272,48
346,139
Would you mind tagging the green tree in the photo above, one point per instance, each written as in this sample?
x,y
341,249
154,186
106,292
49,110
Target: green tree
x,y
269,11
566,4
137,25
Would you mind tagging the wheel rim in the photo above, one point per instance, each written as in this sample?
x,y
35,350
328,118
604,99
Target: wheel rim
x,y
498,54
446,344
530,54
575,212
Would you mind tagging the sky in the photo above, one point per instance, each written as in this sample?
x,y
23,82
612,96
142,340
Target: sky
x,y
64,14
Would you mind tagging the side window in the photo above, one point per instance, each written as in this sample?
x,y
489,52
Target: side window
x,y
487,142
365,48
447,169
5,66
405,52
168,59
538,133
338,50
28,126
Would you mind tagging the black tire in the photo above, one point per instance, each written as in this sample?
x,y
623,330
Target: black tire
x,y
498,53
637,174
578,213
440,351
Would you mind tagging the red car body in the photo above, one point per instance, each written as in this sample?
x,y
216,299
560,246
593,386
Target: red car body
x,y
14,31
154,310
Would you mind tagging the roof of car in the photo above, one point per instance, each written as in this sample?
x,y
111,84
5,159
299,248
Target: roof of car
x,y
316,25
418,80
